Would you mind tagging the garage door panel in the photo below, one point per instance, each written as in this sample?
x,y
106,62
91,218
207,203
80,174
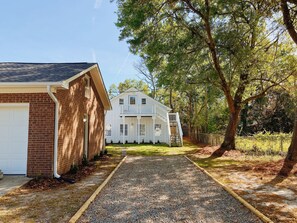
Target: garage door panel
x,y
4,115
18,131
20,117
14,124
5,133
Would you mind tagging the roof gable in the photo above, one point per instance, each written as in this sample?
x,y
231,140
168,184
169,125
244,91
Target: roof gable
x,y
30,75
134,90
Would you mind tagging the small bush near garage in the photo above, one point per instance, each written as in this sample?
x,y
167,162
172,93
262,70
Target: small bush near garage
x,y
97,157
73,169
85,161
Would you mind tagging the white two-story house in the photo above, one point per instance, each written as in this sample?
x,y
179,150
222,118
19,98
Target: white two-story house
x,y
137,118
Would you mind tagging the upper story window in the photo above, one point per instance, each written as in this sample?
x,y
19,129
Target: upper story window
x,y
121,101
143,101
132,100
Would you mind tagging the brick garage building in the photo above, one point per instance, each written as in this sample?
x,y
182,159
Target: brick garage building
x,y
51,115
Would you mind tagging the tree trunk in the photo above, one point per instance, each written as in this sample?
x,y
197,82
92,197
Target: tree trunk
x,y
288,21
243,117
229,139
292,152
206,111
170,100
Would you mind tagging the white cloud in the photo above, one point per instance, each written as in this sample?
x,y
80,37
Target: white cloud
x,y
123,64
97,4
94,56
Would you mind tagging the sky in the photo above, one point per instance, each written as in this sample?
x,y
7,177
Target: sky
x,y
65,31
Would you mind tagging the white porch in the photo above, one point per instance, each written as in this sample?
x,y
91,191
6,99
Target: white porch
x,y
143,129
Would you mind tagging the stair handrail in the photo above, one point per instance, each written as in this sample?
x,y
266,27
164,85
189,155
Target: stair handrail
x,y
169,130
179,128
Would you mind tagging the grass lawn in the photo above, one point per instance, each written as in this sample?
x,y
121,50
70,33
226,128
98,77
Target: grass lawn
x,y
256,179
152,150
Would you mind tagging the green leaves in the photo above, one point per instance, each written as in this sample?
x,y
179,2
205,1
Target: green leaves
x,y
235,46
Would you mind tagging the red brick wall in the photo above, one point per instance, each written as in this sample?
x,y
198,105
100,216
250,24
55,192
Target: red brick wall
x,y
73,106
41,131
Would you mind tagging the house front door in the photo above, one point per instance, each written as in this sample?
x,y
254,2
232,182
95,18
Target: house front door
x,y
132,104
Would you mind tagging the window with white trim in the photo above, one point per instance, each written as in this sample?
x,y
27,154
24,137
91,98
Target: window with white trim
x,y
157,129
108,130
132,100
121,101
142,129
122,129
143,101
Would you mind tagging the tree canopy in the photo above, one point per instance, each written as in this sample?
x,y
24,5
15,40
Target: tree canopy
x,y
236,47
114,89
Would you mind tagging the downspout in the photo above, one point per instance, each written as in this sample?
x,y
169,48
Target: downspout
x,y
104,144
53,97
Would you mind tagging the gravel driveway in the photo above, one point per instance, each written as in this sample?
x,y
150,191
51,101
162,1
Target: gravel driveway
x,y
164,189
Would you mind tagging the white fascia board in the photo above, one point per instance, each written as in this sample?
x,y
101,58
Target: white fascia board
x,y
28,87
106,102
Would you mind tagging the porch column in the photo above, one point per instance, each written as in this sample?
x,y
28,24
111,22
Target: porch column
x,y
138,129
123,129
154,121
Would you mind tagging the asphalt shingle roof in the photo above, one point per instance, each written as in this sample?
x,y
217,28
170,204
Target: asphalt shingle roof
x,y
40,72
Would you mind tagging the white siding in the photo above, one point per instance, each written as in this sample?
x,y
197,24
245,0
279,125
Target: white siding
x,y
146,112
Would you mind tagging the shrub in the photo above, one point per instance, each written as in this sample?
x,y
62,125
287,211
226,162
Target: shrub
x,y
73,169
85,160
105,152
97,157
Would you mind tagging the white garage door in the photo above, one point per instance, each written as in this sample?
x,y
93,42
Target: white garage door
x,y
14,125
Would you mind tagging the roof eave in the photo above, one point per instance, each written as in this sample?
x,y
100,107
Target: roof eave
x,y
28,84
102,92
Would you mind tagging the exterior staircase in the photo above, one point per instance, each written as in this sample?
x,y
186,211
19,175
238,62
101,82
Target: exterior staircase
x,y
176,136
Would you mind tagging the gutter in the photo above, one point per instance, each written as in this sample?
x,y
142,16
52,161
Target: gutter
x,y
53,97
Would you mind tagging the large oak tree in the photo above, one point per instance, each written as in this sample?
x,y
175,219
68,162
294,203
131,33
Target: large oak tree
x,y
230,44
289,8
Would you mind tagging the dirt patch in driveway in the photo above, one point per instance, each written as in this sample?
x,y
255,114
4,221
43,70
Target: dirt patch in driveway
x,y
256,179
53,204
